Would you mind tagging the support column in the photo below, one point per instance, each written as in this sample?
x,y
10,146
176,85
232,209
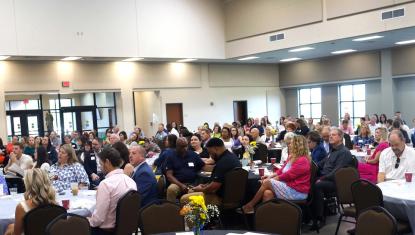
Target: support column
x,y
3,122
387,85
127,109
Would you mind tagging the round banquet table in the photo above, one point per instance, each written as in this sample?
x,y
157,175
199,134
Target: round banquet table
x,y
216,232
399,199
83,204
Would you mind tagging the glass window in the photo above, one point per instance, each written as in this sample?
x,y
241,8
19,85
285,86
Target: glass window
x,y
17,105
104,99
9,126
309,103
352,100
32,104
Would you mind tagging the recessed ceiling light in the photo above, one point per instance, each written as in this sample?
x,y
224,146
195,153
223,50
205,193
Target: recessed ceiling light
x,y
133,59
3,57
405,42
186,60
249,58
301,49
71,58
367,38
342,51
290,59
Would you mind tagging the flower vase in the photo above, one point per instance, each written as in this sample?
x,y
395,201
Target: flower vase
x,y
251,162
197,230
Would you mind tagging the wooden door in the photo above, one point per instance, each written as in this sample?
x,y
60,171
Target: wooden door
x,y
174,113
240,111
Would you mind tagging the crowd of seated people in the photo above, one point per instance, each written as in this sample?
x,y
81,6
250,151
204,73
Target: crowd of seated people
x,y
180,154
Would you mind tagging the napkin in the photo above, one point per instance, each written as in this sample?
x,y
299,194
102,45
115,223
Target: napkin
x,y
81,204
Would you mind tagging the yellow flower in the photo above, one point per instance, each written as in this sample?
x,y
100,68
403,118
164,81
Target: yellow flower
x,y
202,216
253,143
141,142
198,201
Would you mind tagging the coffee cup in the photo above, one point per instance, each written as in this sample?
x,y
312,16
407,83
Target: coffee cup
x,y
261,171
408,177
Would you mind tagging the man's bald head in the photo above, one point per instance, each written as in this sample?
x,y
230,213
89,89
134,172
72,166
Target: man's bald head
x,y
181,146
397,142
254,133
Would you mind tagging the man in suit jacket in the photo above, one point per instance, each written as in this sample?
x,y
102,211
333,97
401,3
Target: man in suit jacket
x,y
143,175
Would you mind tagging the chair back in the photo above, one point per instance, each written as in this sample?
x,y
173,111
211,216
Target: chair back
x,y
161,217
36,220
376,220
365,195
261,153
313,178
161,186
68,224
354,163
344,177
127,213
278,216
234,188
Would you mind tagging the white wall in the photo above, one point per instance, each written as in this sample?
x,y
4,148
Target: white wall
x,y
107,28
181,29
197,108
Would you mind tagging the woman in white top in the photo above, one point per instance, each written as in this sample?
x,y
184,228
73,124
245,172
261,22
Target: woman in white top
x,y
39,191
286,150
226,137
41,159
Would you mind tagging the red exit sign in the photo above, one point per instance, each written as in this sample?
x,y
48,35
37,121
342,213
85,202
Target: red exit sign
x,y
66,84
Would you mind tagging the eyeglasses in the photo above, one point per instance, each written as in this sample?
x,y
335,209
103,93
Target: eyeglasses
x,y
398,160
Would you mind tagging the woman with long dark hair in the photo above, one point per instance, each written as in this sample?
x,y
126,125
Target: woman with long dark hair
x,y
42,159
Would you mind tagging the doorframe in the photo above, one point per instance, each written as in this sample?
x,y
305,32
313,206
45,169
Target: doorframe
x,y
77,110
23,114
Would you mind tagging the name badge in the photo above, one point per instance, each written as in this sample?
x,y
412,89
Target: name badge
x,y
191,164
93,158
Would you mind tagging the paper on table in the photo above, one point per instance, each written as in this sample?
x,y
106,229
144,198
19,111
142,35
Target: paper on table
x,y
81,204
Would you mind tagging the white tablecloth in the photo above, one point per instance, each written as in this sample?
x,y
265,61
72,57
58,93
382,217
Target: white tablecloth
x,y
83,205
359,155
399,199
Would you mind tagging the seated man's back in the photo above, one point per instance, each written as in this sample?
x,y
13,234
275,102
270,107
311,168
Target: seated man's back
x,y
110,190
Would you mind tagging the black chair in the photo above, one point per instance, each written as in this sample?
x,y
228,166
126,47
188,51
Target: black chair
x,y
278,216
365,195
261,153
307,202
376,220
161,187
127,213
355,162
161,217
234,188
344,177
68,224
36,220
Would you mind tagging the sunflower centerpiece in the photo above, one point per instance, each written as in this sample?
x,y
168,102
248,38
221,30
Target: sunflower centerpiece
x,y
197,214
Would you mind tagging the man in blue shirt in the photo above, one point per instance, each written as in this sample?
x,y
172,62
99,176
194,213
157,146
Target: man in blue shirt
x,y
143,175
181,170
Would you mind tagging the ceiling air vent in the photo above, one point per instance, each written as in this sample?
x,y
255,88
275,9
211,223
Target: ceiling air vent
x,y
393,14
276,37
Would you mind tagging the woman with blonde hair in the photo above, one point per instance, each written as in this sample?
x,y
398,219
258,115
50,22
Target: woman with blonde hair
x,y
39,191
67,170
291,182
364,137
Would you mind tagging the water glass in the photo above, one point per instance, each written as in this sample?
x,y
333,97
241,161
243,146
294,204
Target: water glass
x,y
13,191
